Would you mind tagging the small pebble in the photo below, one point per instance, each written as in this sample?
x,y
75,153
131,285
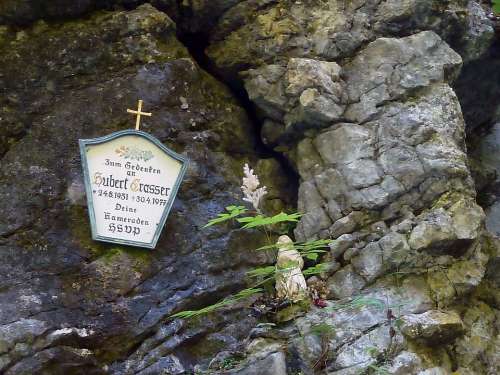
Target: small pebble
x,y
184,103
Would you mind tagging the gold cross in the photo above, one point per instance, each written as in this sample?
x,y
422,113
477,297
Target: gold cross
x,y
139,113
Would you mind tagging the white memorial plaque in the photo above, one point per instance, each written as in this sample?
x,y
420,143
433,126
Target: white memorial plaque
x,y
131,180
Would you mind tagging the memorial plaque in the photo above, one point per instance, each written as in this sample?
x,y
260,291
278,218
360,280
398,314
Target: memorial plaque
x,y
131,180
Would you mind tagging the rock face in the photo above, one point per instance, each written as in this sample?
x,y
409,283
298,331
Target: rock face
x,y
359,97
71,305
433,327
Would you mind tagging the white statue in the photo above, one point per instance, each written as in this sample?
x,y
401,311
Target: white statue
x,y
290,282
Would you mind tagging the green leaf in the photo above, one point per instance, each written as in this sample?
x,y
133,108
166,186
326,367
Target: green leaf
x,y
312,256
267,247
313,245
259,220
249,219
322,330
372,351
261,272
245,293
496,6
234,211
303,247
305,253
318,268
312,249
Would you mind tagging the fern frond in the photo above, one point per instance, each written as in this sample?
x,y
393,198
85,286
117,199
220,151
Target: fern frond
x,y
245,293
262,271
233,212
260,220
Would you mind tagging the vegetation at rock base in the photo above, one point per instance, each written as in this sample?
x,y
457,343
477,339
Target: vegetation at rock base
x,y
262,275
254,219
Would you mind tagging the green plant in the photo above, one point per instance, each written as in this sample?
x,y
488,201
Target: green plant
x,y
358,302
255,219
309,250
496,6
325,332
221,366
229,363
373,351
245,293
233,212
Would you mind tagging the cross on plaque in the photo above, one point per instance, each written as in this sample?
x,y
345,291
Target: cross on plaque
x,y
139,113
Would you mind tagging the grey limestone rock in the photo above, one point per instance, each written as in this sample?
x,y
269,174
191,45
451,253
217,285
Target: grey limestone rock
x,y
434,371
389,68
433,327
341,244
356,95
405,363
344,144
304,93
369,262
167,365
345,283
265,357
21,333
357,354
441,229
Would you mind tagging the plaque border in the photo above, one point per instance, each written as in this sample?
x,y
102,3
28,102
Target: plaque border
x,y
88,189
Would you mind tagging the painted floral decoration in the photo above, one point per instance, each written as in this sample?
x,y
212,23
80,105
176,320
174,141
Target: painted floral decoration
x,y
134,153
